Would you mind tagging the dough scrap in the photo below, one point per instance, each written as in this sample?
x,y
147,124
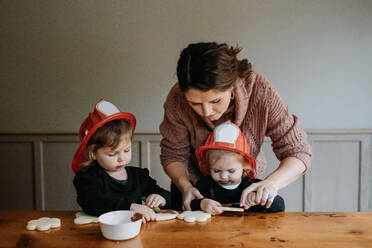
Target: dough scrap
x,y
82,218
192,216
43,224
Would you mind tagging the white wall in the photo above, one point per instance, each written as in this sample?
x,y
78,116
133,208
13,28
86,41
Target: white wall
x,y
57,58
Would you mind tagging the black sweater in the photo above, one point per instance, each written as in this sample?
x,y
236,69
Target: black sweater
x,y
98,193
212,190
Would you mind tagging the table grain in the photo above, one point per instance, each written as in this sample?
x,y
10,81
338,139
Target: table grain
x,y
291,229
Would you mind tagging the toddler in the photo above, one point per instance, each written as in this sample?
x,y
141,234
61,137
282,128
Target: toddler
x,y
104,182
229,169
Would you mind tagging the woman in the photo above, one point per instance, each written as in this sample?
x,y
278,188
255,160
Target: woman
x,y
213,87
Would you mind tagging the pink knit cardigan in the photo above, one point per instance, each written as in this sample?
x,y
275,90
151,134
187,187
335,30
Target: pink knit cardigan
x,y
257,109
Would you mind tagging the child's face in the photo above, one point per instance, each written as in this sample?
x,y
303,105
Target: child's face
x,y
227,170
113,160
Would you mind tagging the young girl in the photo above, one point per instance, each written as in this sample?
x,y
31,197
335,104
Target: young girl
x,y
104,182
229,169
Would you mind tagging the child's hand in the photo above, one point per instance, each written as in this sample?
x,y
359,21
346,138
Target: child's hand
x,y
250,200
148,213
211,206
155,200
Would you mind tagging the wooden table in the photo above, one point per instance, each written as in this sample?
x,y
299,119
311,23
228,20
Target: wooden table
x,y
301,229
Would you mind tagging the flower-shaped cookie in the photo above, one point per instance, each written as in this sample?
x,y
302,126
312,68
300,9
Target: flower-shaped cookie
x,y
43,224
192,216
82,218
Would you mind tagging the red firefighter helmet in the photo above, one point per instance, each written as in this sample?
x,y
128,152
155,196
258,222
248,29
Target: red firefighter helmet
x,y
226,136
104,112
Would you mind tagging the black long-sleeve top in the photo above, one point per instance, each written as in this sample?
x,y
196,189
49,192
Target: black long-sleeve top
x,y
98,193
212,190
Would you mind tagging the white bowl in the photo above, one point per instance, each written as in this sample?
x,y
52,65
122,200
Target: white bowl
x,y
117,225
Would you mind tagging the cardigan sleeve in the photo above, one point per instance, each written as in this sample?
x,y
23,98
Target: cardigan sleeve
x,y
92,200
175,143
288,139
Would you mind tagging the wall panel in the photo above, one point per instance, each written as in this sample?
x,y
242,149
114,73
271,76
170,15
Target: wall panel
x,y
37,173
59,191
334,180
17,175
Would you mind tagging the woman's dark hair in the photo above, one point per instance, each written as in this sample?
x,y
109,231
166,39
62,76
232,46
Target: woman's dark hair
x,y
206,66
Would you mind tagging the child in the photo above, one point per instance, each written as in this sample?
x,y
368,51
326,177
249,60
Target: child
x,y
104,182
230,168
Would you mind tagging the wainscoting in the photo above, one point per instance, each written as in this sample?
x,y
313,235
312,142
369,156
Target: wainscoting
x,y
36,171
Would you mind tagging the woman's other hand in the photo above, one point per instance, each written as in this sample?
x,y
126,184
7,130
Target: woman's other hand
x,y
250,200
189,194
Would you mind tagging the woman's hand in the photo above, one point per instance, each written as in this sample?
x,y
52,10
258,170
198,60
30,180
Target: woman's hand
x,y
148,213
250,200
177,171
211,206
265,193
189,194
155,200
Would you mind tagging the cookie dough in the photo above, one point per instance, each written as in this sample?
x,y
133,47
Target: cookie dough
x,y
43,224
82,218
166,215
192,216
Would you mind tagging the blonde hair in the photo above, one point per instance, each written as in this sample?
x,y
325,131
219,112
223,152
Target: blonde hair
x,y
109,135
213,155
